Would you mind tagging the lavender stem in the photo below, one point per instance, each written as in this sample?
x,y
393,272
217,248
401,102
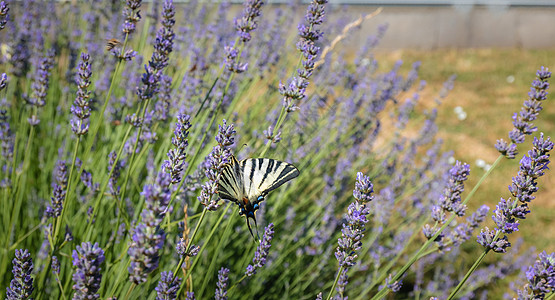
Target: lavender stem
x,y
60,220
132,160
472,269
335,282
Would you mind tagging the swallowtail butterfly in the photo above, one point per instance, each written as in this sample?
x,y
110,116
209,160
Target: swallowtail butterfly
x,y
247,182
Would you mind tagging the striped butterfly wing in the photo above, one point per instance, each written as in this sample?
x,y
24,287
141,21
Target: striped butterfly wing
x,y
230,185
262,175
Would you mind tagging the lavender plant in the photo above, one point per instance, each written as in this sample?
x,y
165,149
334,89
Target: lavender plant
x,y
106,168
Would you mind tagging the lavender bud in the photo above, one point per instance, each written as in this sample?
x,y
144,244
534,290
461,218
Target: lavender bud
x,y
87,276
81,107
176,157
261,252
529,112
167,287
541,278
55,266
54,210
21,286
3,14
214,163
221,285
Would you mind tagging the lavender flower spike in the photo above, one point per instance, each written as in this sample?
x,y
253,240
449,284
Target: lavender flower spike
x,y
294,91
508,212
247,22
167,286
21,286
261,253
87,260
147,238
353,228
54,210
221,285
176,157
132,15
541,278
80,108
159,59
450,201
529,112
3,14
213,164
40,85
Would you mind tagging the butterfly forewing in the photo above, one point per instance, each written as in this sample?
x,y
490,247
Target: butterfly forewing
x,y
262,175
230,185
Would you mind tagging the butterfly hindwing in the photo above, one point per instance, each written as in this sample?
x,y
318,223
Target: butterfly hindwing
x,y
262,175
230,185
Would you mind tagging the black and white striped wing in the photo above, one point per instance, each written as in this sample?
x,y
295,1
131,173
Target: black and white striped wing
x,y
230,185
262,175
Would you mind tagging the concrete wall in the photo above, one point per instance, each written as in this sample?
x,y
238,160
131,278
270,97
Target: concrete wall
x,y
460,26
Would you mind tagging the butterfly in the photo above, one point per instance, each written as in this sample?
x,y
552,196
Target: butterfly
x,y
247,183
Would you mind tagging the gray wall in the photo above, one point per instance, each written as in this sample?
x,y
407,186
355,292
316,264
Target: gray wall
x,y
431,27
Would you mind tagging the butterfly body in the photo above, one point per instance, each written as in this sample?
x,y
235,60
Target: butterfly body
x,y
247,182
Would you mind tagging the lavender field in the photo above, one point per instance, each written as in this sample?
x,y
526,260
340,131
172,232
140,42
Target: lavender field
x,y
122,122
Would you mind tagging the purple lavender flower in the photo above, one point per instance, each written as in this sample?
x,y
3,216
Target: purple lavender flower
x,y
87,276
21,286
541,278
7,143
221,285
81,107
132,16
393,286
182,247
147,238
341,284
176,157
55,266
54,210
163,46
508,212
163,104
529,112
294,91
215,161
3,14
259,259
40,84
450,201
355,220
190,296
247,22
113,181
231,62
167,287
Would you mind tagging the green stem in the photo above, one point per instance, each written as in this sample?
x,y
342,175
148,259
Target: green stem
x,y
335,282
60,219
472,269
19,199
190,243
124,186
